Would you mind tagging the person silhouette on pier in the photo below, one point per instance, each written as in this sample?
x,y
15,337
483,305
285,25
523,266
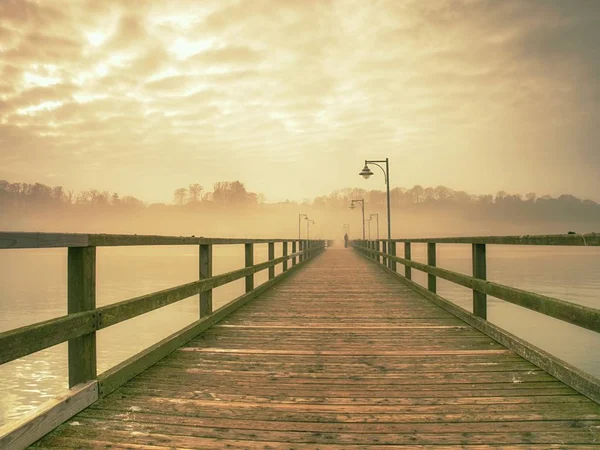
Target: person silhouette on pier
x,y
346,240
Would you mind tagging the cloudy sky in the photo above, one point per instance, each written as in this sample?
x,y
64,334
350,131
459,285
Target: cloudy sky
x,y
290,96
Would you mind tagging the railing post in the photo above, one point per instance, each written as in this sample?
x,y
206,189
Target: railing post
x,y
378,248
284,253
293,251
205,272
393,253
431,261
300,249
271,258
249,260
384,250
81,296
407,255
479,271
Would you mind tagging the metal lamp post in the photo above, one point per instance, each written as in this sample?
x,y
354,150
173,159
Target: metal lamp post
x,y
369,220
308,222
299,224
366,173
376,215
362,207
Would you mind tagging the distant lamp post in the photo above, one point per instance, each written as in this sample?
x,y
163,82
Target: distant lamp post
x,y
362,207
308,222
299,224
366,173
370,217
369,220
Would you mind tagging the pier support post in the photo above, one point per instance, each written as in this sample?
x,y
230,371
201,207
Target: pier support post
x,y
407,255
479,271
284,250
206,251
81,296
293,251
384,250
393,253
271,258
431,261
249,260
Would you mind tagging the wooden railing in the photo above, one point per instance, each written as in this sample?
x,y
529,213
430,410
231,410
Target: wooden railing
x,y
383,252
79,326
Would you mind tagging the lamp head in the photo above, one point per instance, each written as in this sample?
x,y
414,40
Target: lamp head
x,y
352,205
366,172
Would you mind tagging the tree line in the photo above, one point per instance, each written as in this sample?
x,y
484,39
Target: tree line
x,y
228,193
234,193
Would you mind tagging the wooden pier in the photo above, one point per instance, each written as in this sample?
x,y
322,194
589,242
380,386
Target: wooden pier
x,y
339,354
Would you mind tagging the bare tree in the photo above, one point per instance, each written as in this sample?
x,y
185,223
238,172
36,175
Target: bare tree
x,y
180,196
195,192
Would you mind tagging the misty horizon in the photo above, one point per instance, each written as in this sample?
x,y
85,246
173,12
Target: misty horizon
x,y
416,212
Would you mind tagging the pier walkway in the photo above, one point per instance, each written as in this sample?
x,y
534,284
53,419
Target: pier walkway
x,y
338,355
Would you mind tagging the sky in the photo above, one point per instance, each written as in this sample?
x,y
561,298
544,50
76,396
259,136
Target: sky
x,y
290,96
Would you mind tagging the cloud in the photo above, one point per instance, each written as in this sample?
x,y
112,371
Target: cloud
x,y
479,78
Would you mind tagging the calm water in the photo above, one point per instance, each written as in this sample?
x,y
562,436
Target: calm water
x,y
33,288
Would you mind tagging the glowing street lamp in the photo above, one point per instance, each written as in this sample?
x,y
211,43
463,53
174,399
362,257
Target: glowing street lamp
x,y
308,222
371,217
366,173
362,207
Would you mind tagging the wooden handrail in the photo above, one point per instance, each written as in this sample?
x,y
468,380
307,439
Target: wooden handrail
x,y
573,313
32,338
84,319
579,240
53,240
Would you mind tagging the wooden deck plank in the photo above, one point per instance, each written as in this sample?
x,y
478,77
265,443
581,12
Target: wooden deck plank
x,y
339,355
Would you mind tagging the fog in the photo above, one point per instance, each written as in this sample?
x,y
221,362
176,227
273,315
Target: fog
x,y
229,210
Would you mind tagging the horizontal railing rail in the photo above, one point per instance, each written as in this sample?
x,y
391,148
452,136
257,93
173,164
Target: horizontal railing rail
x,y
589,239
51,240
32,338
383,252
572,313
79,326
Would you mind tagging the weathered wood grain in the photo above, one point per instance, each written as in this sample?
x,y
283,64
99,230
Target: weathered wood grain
x,y
479,261
33,426
81,297
205,269
42,240
574,377
32,338
339,355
